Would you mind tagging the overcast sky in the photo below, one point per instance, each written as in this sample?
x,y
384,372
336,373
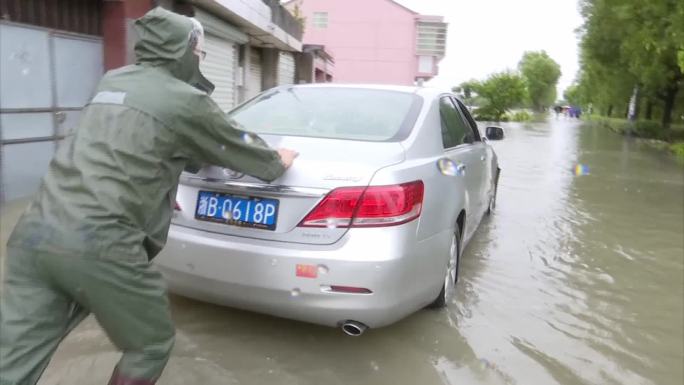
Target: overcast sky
x,y
487,36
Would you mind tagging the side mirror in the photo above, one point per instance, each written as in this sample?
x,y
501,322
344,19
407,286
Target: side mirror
x,y
494,133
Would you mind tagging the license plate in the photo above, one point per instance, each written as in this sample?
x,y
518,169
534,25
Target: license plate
x,y
233,210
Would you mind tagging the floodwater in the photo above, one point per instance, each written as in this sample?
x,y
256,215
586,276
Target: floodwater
x,y
573,280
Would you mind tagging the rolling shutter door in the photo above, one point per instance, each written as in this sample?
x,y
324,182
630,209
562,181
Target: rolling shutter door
x,y
254,75
220,67
286,68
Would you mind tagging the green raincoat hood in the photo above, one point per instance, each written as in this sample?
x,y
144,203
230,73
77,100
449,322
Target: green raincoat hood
x,y
164,38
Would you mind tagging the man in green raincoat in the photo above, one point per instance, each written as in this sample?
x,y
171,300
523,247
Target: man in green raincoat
x,y
85,243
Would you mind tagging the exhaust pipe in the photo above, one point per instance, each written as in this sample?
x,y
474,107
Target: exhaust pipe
x,y
353,328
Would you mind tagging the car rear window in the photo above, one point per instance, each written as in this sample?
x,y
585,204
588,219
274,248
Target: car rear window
x,y
330,112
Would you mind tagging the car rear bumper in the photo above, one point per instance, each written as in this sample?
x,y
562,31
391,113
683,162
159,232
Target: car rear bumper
x,y
403,274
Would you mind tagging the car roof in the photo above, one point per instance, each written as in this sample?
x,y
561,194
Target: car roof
x,y
427,92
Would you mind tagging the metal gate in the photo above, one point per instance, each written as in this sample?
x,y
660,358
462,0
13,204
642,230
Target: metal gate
x,y
46,78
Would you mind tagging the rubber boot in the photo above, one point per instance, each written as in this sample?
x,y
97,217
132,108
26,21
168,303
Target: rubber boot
x,y
119,379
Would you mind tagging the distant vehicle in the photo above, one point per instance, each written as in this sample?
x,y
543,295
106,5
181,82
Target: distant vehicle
x,y
366,228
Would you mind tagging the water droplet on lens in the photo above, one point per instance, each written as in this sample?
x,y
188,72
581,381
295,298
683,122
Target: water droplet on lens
x,y
581,169
374,366
223,147
228,215
274,262
295,292
247,138
331,223
183,245
322,269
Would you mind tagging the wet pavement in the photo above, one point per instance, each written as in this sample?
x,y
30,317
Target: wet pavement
x,y
573,280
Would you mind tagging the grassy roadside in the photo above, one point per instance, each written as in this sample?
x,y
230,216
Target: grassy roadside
x,y
671,139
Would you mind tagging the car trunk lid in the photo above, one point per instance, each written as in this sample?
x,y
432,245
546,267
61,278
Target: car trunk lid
x,y
322,165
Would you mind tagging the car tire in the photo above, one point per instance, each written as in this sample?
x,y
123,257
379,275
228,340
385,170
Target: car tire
x,y
451,276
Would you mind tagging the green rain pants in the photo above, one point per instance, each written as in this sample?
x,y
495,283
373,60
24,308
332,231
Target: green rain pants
x,y
45,295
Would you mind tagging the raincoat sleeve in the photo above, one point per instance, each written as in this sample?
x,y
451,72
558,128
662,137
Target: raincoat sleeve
x,y
209,137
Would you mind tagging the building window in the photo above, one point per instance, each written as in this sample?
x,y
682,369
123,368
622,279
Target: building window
x,y
320,19
431,38
426,64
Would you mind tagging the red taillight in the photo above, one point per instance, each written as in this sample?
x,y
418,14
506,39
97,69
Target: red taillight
x,y
368,207
177,207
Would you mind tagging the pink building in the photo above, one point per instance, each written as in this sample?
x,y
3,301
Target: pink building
x,y
374,41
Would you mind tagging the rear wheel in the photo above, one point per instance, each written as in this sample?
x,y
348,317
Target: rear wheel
x,y
451,276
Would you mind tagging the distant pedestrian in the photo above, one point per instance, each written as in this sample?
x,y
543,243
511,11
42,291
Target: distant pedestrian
x,y
557,110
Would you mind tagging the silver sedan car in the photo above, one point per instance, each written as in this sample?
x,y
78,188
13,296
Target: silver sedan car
x,y
367,226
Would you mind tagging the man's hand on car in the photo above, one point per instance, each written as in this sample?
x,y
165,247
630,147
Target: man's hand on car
x,y
287,156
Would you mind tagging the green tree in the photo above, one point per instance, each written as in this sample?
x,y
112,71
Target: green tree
x,y
468,88
631,43
466,91
572,95
603,78
501,91
541,74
